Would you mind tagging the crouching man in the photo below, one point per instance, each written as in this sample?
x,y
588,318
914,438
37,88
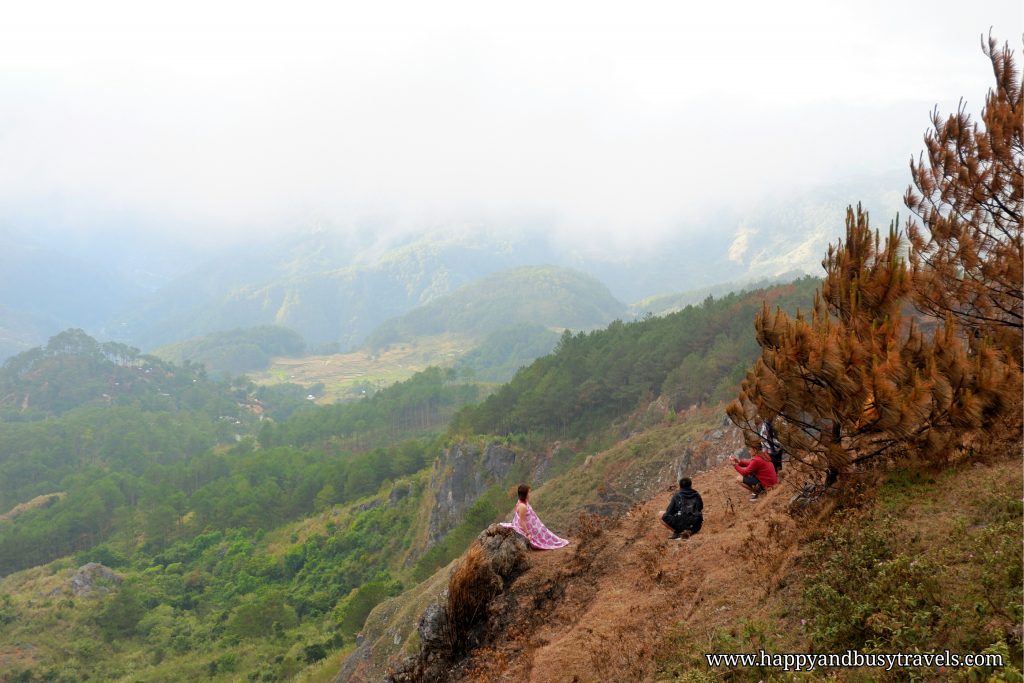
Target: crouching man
x,y
684,515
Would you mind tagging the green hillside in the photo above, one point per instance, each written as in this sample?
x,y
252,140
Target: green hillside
x,y
538,295
352,375
504,351
663,304
236,351
694,356
250,547
74,370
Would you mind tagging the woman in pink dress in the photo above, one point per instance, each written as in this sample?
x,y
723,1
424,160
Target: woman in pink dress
x,y
526,523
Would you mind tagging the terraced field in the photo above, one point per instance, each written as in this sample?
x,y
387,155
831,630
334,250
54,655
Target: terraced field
x,y
347,376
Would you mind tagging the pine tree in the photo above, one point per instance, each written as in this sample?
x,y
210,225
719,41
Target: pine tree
x,y
855,380
967,204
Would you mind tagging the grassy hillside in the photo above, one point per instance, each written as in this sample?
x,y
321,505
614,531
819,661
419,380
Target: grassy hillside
x,y
262,558
322,514
697,355
348,376
539,295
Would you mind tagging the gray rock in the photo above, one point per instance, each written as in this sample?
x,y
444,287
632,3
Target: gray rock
x,y
506,550
459,478
369,505
433,626
398,493
498,460
94,578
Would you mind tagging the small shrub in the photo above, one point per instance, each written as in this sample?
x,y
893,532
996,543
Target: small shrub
x,y
314,653
866,595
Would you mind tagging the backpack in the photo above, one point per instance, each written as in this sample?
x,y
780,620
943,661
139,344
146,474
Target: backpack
x,y
770,443
689,514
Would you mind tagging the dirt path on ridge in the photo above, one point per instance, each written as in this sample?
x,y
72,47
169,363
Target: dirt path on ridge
x,y
600,609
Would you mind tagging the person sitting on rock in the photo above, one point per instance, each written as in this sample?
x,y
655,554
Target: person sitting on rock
x,y
527,524
685,513
757,474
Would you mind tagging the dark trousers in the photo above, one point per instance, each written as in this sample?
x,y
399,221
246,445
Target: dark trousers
x,y
679,525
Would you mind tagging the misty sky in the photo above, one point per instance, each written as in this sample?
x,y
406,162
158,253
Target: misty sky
x,y
614,122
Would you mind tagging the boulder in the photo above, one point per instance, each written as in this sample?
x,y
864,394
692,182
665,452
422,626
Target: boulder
x,y
94,578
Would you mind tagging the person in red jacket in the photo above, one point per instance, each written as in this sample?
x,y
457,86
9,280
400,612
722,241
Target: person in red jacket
x,y
757,474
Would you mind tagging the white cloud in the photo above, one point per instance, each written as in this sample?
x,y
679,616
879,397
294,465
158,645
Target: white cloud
x,y
616,122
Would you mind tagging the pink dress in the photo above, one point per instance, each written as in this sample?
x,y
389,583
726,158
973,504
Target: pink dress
x,y
543,538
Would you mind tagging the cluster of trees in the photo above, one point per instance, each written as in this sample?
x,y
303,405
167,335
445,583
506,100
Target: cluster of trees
x,y
153,464
148,502
692,356
191,604
186,522
857,379
421,403
503,352
237,351
74,369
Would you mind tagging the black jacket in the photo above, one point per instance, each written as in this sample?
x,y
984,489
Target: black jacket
x,y
680,501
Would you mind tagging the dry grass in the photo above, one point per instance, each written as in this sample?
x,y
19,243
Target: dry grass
x,y
471,587
45,500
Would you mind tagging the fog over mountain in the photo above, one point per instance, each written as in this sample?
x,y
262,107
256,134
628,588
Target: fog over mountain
x,y
164,173
332,285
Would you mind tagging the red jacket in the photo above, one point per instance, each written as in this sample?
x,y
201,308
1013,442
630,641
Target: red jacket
x,y
761,467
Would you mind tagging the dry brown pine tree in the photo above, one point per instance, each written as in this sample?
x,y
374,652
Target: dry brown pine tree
x,y
967,203
856,380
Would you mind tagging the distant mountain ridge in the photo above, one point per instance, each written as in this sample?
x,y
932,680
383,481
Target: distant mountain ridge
x,y
539,295
334,287
314,284
43,290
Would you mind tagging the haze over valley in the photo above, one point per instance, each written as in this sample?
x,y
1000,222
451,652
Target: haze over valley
x,y
309,314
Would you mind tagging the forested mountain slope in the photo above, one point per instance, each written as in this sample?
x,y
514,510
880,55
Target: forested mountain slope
x,y
307,521
537,295
696,355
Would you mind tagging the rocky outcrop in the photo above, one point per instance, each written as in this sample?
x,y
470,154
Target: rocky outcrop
x,y
93,579
459,477
457,621
711,450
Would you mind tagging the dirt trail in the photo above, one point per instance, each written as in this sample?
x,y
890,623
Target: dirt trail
x,y
600,609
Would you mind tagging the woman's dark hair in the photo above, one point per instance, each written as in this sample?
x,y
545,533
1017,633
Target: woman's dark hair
x,y
523,490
